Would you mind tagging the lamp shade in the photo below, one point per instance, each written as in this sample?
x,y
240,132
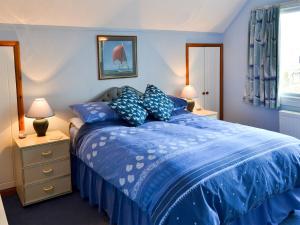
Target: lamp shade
x,y
40,109
188,92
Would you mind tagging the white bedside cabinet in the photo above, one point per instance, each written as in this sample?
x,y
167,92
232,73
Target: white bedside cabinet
x,y
42,166
203,112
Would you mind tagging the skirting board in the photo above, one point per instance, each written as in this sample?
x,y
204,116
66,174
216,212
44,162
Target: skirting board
x,y
3,219
8,192
7,185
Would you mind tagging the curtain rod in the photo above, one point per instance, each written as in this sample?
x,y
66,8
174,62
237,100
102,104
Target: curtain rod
x,y
288,4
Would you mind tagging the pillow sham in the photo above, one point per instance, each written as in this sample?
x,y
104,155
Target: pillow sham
x,y
129,108
94,111
159,105
179,103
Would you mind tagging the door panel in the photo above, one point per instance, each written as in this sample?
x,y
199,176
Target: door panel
x,y
212,78
205,73
197,73
8,115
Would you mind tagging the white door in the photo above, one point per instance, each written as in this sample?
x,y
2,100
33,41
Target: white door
x,y
212,79
197,73
8,115
204,74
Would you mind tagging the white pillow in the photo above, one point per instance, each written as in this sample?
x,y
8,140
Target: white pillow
x,y
77,122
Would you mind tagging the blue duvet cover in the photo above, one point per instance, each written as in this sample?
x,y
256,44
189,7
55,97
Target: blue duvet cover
x,y
191,170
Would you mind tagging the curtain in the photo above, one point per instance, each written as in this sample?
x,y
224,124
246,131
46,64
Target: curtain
x,y
262,78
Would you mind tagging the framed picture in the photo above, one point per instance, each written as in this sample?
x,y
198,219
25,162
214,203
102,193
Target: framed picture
x,y
117,56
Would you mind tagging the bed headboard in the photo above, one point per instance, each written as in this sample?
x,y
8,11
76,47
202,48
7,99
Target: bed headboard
x,y
112,93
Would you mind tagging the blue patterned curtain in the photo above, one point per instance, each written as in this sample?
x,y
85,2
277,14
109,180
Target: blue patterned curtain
x,y
262,77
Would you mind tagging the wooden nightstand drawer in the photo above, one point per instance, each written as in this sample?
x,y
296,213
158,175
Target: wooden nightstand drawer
x,y
48,189
46,170
44,153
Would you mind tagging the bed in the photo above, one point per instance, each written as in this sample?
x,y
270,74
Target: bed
x,y
191,170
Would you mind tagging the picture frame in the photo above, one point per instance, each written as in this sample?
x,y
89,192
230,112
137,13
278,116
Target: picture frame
x,y
117,56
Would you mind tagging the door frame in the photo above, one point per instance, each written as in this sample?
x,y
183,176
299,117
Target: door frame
x,y
187,79
18,74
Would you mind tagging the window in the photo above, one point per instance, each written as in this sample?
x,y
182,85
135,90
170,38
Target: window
x,y
289,53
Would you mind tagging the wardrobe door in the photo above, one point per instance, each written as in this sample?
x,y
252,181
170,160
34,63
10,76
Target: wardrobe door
x,y
197,73
8,115
212,79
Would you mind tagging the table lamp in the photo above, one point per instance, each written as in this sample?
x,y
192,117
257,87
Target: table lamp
x,y
189,93
40,110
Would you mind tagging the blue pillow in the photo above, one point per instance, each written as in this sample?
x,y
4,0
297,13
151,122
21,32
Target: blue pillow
x,y
159,105
129,108
94,111
179,103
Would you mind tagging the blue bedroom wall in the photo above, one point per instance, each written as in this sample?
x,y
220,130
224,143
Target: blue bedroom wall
x,y
60,63
235,70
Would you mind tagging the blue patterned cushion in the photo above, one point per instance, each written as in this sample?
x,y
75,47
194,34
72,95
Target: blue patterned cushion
x,y
94,111
159,105
179,103
129,108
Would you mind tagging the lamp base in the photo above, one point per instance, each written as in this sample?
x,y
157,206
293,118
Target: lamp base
x,y
40,126
190,105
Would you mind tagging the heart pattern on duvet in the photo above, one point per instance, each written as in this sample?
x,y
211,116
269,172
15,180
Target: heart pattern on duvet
x,y
122,181
139,157
129,168
139,165
130,178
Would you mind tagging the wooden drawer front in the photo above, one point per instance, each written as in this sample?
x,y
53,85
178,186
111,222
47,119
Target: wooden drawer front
x,y
48,189
44,153
47,170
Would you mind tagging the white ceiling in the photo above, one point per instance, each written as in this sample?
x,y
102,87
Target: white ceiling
x,y
180,15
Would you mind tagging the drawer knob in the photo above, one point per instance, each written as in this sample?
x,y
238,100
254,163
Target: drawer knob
x,y
48,189
47,171
46,154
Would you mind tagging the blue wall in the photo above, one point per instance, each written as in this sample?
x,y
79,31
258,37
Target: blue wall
x,y
60,63
235,70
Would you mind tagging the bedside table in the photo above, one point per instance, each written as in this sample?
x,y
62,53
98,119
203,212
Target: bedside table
x,y
203,112
42,167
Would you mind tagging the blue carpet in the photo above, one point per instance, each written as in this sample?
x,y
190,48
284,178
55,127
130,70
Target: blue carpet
x,y
69,210
65,210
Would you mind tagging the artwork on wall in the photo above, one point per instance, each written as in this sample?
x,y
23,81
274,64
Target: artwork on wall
x,y
117,56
